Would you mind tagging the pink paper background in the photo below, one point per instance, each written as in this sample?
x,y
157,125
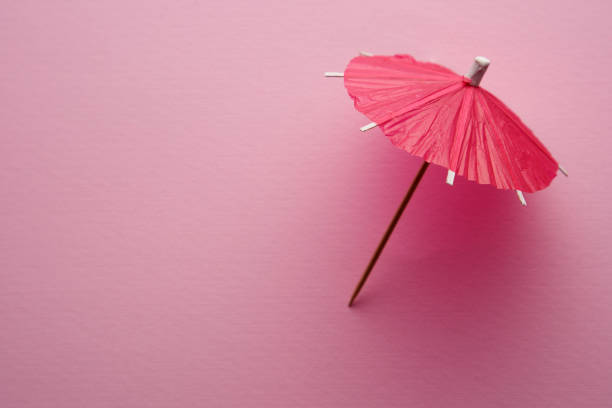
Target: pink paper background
x,y
186,204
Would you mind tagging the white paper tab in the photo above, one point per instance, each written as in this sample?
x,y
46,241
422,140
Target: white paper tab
x,y
562,170
334,74
519,193
478,69
366,54
368,126
450,178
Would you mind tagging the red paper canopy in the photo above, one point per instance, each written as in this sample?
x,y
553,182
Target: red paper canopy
x,y
434,113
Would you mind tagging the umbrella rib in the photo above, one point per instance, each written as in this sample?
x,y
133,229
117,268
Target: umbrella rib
x,y
521,198
419,103
369,126
499,135
466,147
450,177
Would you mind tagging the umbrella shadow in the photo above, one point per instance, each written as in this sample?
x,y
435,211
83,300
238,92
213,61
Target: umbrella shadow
x,y
456,250
450,295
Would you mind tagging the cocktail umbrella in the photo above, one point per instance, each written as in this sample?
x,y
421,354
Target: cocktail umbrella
x,y
449,120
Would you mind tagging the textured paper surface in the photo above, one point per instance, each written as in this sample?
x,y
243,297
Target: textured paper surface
x,y
186,204
434,113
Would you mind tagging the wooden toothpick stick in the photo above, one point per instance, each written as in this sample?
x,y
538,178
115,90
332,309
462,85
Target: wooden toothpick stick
x,y
385,237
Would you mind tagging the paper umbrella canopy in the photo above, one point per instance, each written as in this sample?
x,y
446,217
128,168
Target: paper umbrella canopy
x,y
449,120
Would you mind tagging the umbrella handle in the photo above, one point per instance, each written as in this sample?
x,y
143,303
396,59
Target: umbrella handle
x,y
478,69
385,237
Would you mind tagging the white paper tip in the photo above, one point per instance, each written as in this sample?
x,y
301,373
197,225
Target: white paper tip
x,y
334,74
562,170
450,178
366,54
477,70
368,126
521,197
482,61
